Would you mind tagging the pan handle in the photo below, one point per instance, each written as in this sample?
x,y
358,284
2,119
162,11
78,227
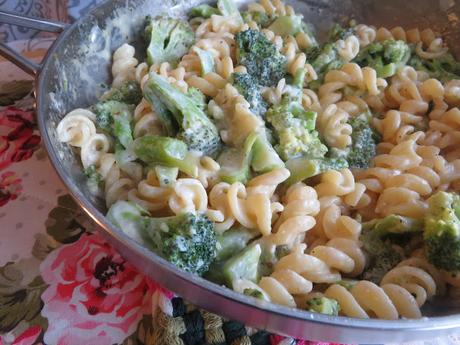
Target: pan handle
x,y
25,64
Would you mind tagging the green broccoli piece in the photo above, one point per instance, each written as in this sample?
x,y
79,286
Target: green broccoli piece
x,y
114,118
338,32
304,167
170,152
385,57
243,265
444,68
364,140
166,175
247,86
197,97
254,293
260,57
203,11
287,25
128,217
324,59
129,93
228,8
442,231
206,60
186,240
294,128
264,156
93,175
196,129
323,305
260,18
169,39
235,162
383,241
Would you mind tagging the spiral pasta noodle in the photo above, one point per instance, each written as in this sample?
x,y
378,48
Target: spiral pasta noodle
x,y
124,65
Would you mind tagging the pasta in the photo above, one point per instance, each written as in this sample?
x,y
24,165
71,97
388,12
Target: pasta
x,y
292,170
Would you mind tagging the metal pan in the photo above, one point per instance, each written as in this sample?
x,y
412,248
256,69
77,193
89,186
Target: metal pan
x,y
73,74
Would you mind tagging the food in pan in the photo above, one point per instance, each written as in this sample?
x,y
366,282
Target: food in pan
x,y
316,175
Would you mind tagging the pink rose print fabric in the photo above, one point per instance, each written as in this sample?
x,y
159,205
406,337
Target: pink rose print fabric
x,y
17,136
94,296
10,187
28,337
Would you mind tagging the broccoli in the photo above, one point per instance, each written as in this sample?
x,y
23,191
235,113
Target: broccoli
x,y
364,142
186,240
264,157
261,58
204,11
442,231
385,57
243,265
256,153
247,86
197,97
323,305
168,39
444,68
254,293
228,8
170,152
287,25
260,18
324,59
383,241
128,217
206,60
129,93
294,128
166,175
304,167
114,118
235,162
338,32
93,175
196,129
229,244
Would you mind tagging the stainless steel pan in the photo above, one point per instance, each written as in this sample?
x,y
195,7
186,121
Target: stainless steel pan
x,y
72,75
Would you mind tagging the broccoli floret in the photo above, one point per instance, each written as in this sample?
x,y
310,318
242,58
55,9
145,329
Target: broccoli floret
x,y
114,118
383,241
92,174
304,167
364,140
261,58
442,231
235,162
287,25
129,93
197,97
169,39
206,60
251,91
338,32
170,152
260,18
294,128
196,129
444,68
254,293
204,11
385,57
323,60
323,305
186,240
228,8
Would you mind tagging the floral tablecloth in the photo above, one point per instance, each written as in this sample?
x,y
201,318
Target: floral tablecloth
x,y
60,283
